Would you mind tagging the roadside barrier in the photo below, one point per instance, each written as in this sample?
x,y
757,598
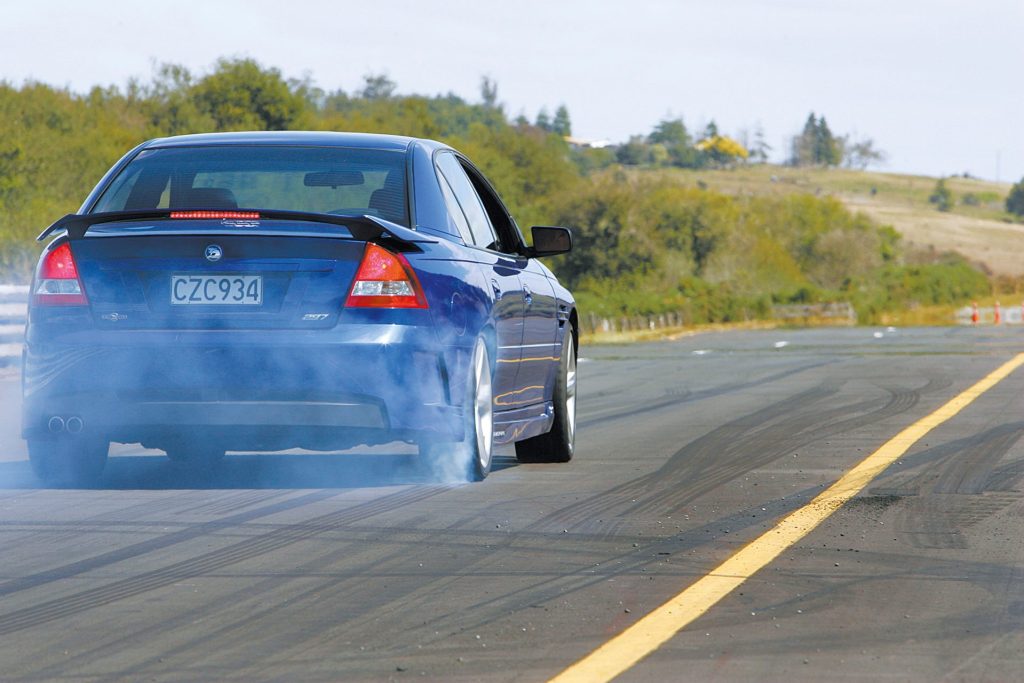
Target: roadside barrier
x,y
841,312
990,315
13,313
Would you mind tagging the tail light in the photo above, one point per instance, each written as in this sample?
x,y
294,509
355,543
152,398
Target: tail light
x,y
57,281
385,280
205,215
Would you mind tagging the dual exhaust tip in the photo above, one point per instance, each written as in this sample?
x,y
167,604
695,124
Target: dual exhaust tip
x,y
71,425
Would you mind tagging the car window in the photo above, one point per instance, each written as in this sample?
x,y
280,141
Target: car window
x,y
334,180
455,210
482,232
506,229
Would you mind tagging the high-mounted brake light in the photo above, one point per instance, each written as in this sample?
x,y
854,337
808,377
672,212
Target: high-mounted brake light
x,y
385,280
57,281
205,215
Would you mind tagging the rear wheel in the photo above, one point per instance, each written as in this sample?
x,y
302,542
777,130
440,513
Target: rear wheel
x,y
558,444
68,461
472,456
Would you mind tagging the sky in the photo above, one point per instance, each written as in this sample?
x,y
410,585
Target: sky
x,y
936,84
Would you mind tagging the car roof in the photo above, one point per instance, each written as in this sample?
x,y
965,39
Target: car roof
x,y
289,137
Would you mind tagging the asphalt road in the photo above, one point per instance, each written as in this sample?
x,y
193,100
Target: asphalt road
x,y
358,567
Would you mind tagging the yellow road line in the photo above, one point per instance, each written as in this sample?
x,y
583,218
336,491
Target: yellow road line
x,y
649,633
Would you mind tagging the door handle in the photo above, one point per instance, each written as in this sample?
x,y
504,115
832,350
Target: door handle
x,y
496,289
527,295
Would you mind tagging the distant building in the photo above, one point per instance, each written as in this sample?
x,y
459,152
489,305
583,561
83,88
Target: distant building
x,y
580,143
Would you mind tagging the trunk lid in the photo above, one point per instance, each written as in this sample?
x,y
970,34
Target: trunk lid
x,y
300,272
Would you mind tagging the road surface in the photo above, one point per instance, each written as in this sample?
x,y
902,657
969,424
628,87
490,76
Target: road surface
x,y
359,566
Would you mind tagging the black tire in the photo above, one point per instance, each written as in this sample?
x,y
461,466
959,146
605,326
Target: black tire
x,y
68,461
470,458
195,455
559,443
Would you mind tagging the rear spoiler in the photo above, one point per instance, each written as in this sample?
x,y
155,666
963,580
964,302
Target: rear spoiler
x,y
364,228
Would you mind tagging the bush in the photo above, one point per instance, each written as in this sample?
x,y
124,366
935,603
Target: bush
x,y
941,196
1015,200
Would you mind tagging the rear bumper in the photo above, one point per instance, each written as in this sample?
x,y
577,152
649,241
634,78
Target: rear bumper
x,y
258,390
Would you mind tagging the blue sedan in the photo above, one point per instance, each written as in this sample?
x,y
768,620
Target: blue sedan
x,y
264,291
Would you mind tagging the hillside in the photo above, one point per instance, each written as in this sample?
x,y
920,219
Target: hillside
x,y
980,232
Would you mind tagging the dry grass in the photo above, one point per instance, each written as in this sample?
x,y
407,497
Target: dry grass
x,y
983,233
672,333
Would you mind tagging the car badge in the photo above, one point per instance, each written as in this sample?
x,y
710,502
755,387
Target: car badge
x,y
213,253
239,223
114,317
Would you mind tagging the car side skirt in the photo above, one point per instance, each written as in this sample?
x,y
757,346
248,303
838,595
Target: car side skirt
x,y
523,423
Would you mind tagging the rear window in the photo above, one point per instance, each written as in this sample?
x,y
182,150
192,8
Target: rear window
x,y
333,180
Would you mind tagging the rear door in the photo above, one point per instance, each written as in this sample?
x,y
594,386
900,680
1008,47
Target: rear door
x,y
500,271
539,350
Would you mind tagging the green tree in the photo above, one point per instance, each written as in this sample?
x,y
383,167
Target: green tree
x,y
241,95
816,145
1015,200
941,196
759,148
170,104
561,124
802,153
489,92
632,153
862,153
543,120
827,148
673,135
377,87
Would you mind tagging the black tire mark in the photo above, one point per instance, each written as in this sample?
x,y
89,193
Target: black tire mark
x,y
148,507
971,473
231,503
966,468
1001,582
731,450
140,640
926,523
451,572
900,480
715,467
153,544
60,608
814,422
622,563
580,513
1006,478
690,397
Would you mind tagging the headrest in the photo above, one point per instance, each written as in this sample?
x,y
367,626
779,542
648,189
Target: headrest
x,y
211,198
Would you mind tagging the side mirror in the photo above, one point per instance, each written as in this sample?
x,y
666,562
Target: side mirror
x,y
550,241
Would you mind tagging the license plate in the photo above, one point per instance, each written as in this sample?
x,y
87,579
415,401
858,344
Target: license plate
x,y
234,290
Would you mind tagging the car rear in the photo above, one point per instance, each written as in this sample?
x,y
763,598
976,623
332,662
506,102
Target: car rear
x,y
210,321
